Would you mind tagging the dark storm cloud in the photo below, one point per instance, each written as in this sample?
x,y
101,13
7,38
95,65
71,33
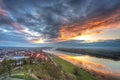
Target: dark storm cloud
x,y
46,18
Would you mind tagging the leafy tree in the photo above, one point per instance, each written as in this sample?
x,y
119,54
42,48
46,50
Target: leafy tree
x,y
69,76
76,71
7,64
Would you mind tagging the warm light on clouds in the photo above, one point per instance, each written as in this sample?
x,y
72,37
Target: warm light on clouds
x,y
3,12
92,27
105,35
71,19
85,38
37,41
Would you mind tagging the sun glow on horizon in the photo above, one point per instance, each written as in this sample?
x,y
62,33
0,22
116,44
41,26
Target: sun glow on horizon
x,y
83,37
86,38
37,41
105,35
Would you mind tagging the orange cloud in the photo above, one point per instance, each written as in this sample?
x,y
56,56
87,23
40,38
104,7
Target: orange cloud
x,y
91,27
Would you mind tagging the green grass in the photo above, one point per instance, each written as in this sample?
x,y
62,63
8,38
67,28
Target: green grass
x,y
68,67
18,71
18,76
22,77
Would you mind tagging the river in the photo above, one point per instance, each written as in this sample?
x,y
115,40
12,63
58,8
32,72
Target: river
x,y
90,63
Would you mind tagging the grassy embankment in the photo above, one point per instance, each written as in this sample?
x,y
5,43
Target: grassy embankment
x,y
68,67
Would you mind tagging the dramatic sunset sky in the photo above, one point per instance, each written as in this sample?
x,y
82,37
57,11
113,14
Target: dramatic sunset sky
x,y
26,22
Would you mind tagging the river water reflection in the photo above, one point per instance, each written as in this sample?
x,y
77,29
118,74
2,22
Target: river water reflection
x,y
111,65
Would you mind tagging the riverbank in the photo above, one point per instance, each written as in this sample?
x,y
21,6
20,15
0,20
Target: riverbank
x,y
107,53
96,69
72,69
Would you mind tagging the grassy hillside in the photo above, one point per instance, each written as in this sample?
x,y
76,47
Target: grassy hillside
x,y
68,67
53,69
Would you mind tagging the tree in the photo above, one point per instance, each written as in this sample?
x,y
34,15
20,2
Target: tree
x,y
69,76
7,64
76,71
